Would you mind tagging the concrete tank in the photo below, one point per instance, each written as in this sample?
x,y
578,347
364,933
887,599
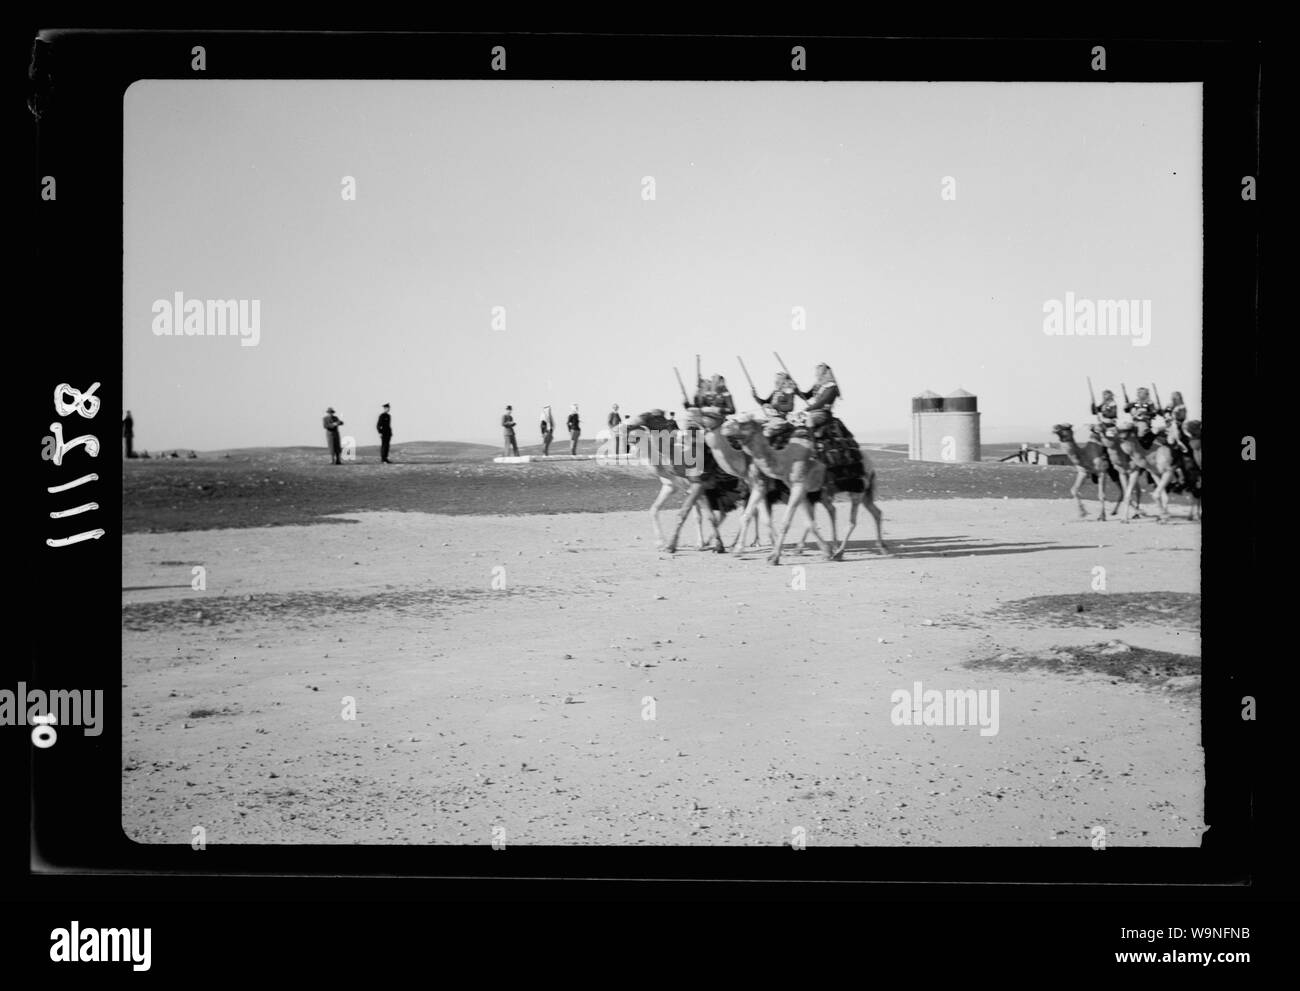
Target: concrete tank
x,y
945,428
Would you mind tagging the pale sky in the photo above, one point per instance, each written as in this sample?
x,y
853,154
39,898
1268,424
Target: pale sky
x,y
768,196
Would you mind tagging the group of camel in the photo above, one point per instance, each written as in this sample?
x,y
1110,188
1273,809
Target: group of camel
x,y
1118,453
750,470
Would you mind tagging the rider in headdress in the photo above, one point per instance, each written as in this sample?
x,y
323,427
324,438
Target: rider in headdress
x,y
778,404
1175,415
1143,410
1106,412
821,397
713,398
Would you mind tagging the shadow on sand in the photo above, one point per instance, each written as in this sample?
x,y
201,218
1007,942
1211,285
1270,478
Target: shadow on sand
x,y
917,548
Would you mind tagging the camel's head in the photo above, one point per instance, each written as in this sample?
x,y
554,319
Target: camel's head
x,y
653,419
1193,428
742,427
1064,431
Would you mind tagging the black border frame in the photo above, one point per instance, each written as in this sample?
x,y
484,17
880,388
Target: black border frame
x,y
79,79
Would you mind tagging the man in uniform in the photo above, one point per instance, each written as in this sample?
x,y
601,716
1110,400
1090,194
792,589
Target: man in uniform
x,y
1142,410
1175,415
385,428
713,398
332,424
509,447
548,429
615,423
778,405
821,398
1106,412
575,428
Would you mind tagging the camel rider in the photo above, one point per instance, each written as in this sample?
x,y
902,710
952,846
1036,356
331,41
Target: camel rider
x,y
1175,415
1106,412
821,398
1143,410
713,400
778,404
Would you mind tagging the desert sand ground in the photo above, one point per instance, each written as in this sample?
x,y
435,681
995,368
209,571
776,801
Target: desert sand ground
x,y
522,706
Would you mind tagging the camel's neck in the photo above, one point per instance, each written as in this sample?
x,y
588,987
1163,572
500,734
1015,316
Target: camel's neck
x,y
732,461
771,463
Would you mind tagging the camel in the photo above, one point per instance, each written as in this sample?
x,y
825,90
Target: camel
x,y
764,492
1093,463
1130,475
671,471
1158,462
796,466
1192,429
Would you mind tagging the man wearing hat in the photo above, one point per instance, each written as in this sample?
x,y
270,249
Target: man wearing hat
x,y
575,428
615,423
385,428
510,448
332,439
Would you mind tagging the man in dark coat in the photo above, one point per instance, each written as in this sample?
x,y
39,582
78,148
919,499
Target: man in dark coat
x,y
575,428
128,434
511,449
385,428
332,424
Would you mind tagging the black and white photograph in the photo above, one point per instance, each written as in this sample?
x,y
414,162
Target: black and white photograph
x,y
712,470
662,463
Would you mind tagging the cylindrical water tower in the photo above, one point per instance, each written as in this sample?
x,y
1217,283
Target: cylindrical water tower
x,y
945,428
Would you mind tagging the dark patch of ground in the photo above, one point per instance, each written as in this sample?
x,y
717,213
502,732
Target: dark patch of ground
x,y
299,486
1115,660
1108,610
293,607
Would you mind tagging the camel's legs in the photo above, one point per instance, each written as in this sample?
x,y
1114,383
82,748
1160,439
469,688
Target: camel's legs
x,y
798,501
855,500
874,510
693,496
1119,484
1162,495
665,490
1130,480
699,524
1101,496
1074,491
752,508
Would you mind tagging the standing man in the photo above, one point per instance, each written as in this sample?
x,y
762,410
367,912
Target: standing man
x,y
509,448
575,428
332,424
385,428
615,423
548,429
128,434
